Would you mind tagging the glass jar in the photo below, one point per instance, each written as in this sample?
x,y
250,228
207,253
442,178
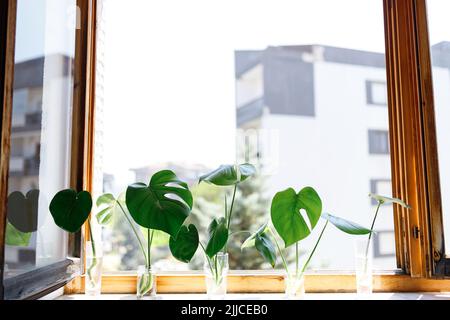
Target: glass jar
x,y
94,264
146,282
216,272
363,267
294,287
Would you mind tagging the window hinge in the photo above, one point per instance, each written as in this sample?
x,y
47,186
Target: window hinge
x,y
416,232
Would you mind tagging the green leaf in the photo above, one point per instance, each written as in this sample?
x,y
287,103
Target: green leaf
x,y
227,175
266,248
218,237
387,200
16,238
23,210
250,241
286,217
105,199
70,210
162,205
109,208
183,248
346,225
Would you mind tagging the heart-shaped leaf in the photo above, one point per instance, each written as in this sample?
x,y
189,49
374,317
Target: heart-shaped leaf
x,y
218,237
183,248
250,241
346,225
16,238
387,200
162,205
70,210
286,217
266,248
227,175
23,210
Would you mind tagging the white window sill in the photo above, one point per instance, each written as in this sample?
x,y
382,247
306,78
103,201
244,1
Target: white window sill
x,y
310,296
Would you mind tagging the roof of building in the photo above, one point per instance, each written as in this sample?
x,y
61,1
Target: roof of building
x,y
247,59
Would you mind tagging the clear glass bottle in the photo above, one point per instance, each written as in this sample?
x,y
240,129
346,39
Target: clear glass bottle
x,y
294,287
94,264
216,273
146,282
363,267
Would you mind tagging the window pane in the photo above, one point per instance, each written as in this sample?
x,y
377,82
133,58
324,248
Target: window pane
x,y
281,84
40,137
440,50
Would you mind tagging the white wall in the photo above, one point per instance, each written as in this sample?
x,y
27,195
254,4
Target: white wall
x,y
330,152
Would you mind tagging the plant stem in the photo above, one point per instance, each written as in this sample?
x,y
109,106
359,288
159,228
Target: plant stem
x,y
371,228
207,258
94,255
228,216
280,252
296,259
141,245
370,235
150,234
231,207
314,249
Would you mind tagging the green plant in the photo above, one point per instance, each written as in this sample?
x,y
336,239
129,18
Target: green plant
x,y
219,229
110,207
381,200
163,204
294,216
70,210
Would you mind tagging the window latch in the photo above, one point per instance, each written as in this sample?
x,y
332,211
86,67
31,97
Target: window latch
x,y
416,232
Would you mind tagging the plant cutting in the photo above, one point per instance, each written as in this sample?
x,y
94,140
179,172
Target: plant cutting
x,y
163,204
294,215
70,210
216,257
110,207
363,259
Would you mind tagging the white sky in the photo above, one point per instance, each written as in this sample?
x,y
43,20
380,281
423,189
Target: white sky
x,y
169,88
169,64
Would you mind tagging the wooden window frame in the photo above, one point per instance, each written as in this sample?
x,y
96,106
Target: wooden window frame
x,y
419,235
41,281
415,178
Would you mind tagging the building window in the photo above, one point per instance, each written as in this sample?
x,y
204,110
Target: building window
x,y
376,93
382,241
378,142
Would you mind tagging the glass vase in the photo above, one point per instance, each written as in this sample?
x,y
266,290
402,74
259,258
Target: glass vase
x,y
94,263
216,272
363,267
146,282
294,287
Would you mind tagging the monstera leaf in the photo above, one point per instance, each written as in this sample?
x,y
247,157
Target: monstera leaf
x,y
227,175
163,205
263,244
109,207
218,237
250,241
345,225
266,248
286,216
70,210
23,210
183,248
387,200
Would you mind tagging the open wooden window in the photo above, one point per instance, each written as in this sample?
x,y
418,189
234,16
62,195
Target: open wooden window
x,y
46,85
400,133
